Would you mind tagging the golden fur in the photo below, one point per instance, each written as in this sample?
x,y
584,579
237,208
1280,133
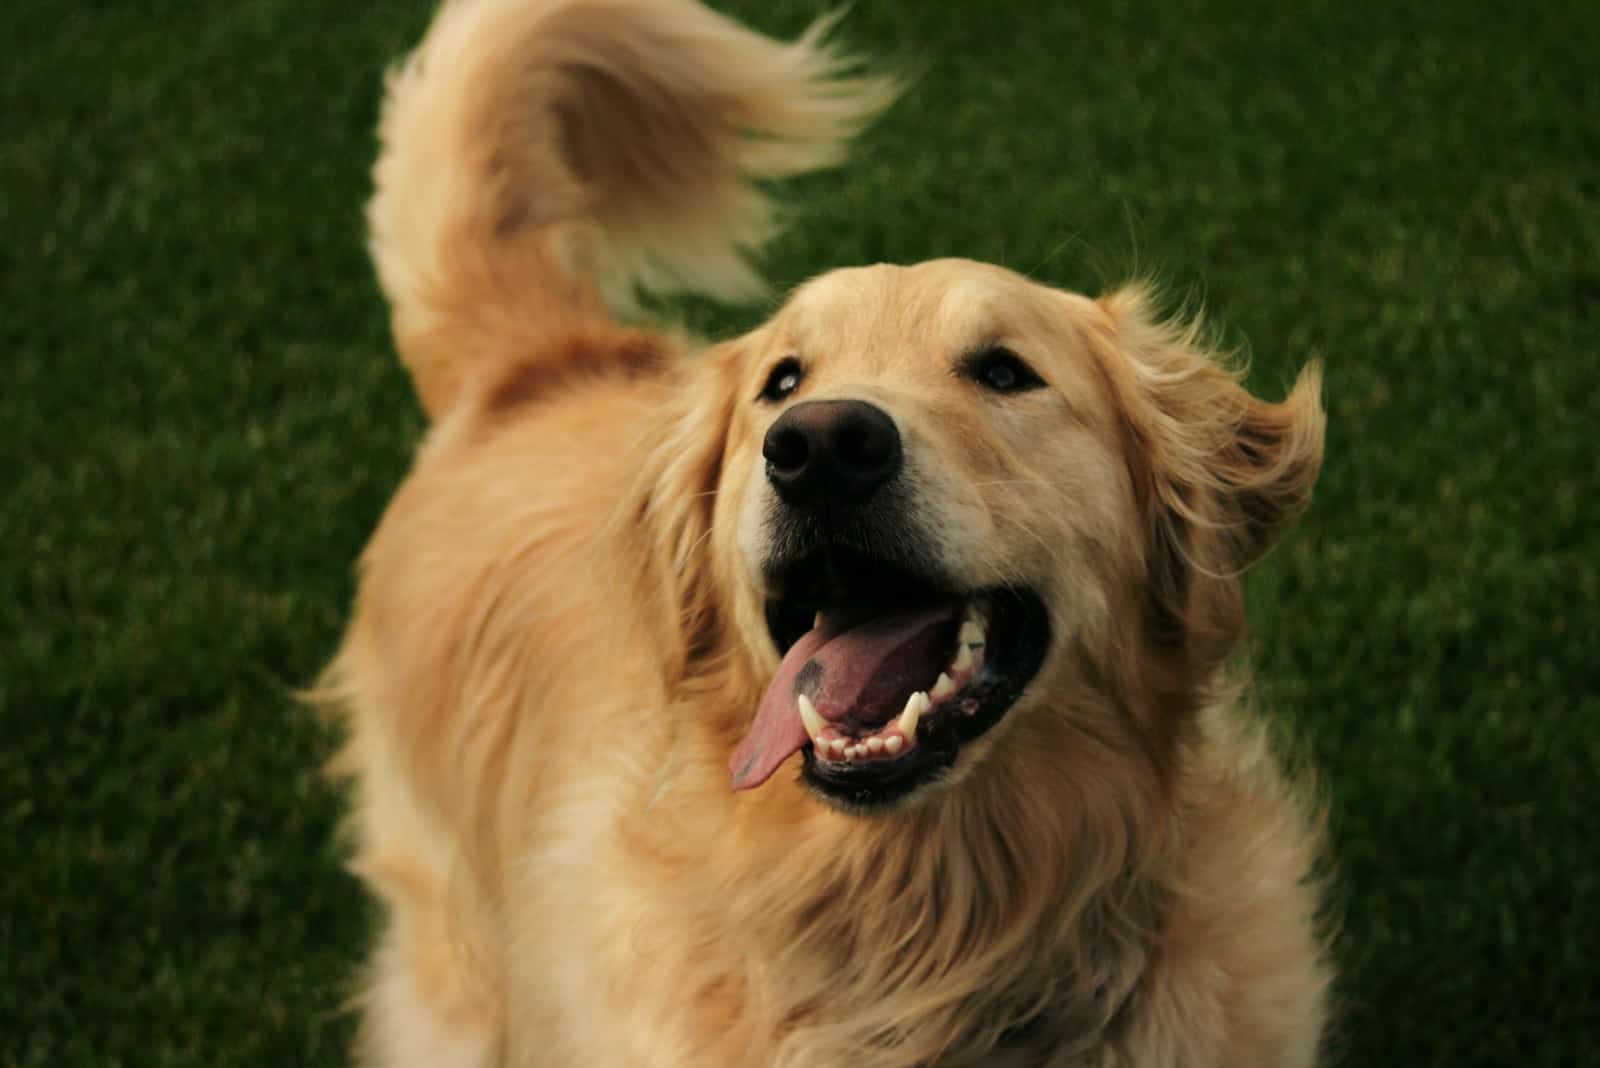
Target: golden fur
x,y
558,637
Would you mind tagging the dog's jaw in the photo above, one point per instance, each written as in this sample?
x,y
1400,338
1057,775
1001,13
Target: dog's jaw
x,y
887,677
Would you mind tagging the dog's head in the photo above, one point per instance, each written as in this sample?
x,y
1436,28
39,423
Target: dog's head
x,y
949,499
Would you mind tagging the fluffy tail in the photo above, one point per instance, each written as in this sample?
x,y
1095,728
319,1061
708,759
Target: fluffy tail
x,y
543,158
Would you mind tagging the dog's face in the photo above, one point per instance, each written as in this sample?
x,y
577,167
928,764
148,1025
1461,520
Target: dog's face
x,y
926,483
945,488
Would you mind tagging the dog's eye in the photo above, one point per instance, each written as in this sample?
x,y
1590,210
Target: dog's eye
x,y
784,380
1001,370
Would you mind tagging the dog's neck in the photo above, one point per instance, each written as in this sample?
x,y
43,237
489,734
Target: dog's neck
x,y
1031,889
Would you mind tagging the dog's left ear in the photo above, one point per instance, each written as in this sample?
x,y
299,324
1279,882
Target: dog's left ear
x,y
1219,473
676,495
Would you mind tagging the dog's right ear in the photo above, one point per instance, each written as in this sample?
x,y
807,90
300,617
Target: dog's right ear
x,y
676,496
1218,472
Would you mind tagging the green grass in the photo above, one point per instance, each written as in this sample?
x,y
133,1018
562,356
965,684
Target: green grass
x,y
201,421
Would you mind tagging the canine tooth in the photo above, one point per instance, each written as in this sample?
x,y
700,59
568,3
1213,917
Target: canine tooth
x,y
811,717
894,743
971,633
942,686
916,705
875,744
963,660
817,622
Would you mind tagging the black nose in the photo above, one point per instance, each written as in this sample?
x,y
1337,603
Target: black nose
x,y
838,451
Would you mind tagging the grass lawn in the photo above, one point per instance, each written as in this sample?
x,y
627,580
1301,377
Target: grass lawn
x,y
202,419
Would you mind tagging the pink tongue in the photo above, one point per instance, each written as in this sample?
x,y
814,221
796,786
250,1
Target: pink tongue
x,y
866,672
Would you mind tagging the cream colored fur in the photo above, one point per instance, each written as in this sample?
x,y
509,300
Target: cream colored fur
x,y
558,639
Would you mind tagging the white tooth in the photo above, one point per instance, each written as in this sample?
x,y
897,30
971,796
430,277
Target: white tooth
x,y
971,633
875,744
837,745
942,686
963,660
894,743
856,752
811,717
916,705
817,622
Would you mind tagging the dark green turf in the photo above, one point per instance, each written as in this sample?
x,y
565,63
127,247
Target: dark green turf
x,y
201,420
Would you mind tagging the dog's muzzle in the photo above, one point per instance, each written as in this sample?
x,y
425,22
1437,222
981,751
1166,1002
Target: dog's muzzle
x,y
889,664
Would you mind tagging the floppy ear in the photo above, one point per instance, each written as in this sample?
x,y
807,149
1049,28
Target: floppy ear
x,y
676,494
1218,473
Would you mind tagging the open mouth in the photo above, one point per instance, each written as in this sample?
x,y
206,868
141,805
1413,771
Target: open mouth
x,y
886,674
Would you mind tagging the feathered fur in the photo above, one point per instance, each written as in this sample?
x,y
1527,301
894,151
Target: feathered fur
x,y
556,643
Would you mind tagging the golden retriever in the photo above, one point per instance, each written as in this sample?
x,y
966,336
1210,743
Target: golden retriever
x,y
852,692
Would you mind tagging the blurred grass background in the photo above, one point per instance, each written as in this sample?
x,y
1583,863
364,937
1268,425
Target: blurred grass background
x,y
201,421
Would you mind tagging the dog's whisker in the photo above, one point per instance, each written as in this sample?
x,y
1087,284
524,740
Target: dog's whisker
x,y
1021,482
1053,551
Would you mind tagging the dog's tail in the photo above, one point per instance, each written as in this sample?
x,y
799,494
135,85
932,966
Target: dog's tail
x,y
544,159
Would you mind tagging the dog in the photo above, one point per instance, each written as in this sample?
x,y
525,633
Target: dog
x,y
857,691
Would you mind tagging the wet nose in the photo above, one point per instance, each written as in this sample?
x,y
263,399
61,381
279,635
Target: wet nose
x,y
839,451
